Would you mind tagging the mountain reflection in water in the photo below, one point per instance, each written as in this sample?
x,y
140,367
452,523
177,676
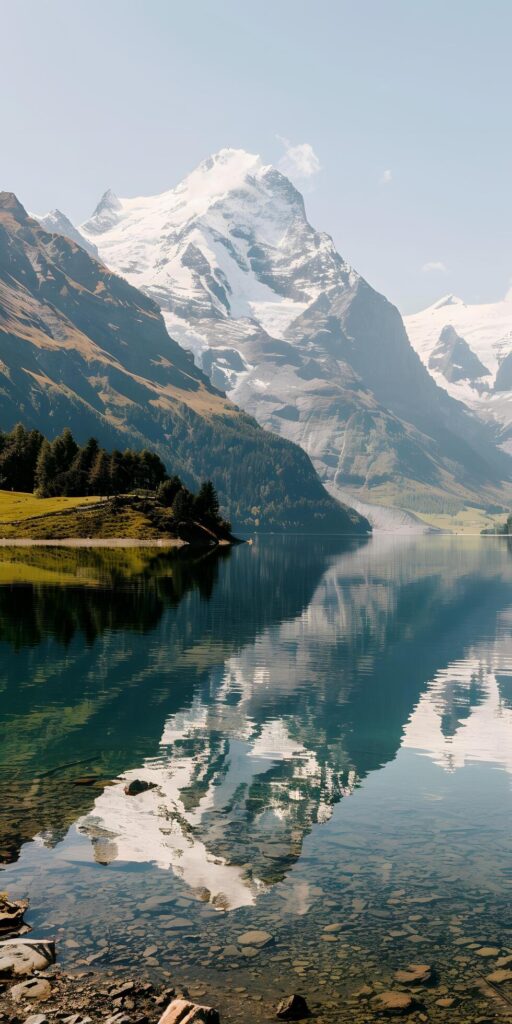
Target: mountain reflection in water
x,y
255,691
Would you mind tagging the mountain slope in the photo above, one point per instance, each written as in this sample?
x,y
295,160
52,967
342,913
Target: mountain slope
x,y
296,337
486,331
81,347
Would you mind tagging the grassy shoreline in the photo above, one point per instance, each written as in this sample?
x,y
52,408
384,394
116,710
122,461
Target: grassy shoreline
x,y
123,521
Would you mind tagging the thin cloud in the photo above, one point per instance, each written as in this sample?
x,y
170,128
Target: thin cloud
x,y
434,265
298,162
386,177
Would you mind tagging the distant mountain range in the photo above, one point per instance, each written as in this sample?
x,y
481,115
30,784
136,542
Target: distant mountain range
x,y
80,347
297,338
468,350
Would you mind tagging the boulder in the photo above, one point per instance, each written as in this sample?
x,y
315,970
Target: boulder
x,y
293,1008
181,1011
32,988
23,956
393,1004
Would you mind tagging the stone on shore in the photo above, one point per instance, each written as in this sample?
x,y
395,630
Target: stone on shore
x,y
22,956
293,1008
32,988
11,914
181,1011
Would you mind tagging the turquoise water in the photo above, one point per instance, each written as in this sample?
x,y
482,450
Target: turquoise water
x,y
326,727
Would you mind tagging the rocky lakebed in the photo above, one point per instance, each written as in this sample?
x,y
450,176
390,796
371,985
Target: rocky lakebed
x,y
36,989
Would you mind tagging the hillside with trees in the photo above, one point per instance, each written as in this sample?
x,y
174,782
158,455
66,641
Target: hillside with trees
x,y
133,489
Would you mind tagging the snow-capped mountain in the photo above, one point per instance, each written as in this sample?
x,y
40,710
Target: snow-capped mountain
x,y
81,348
57,223
295,336
477,369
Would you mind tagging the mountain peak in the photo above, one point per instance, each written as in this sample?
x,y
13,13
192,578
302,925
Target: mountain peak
x,y
108,201
231,157
106,213
11,204
219,174
448,300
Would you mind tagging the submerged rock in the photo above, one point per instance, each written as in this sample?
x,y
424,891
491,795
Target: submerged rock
x,y
181,1011
393,1004
22,956
499,977
137,786
255,938
414,974
293,1008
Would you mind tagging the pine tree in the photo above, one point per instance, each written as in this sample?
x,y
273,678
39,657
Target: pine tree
x,y
117,473
168,490
45,471
64,450
99,477
182,505
206,504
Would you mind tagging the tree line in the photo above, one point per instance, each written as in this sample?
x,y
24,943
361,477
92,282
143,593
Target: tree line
x,y
30,462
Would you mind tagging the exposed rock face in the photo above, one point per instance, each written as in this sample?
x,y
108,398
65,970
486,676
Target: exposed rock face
x,y
297,338
453,358
80,347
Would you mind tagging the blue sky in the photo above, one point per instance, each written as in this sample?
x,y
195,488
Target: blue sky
x,y
401,110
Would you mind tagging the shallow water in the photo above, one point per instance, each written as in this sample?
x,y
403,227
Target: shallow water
x,y
327,726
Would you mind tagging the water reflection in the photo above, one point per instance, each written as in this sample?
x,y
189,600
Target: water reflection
x,y
254,692
97,647
290,724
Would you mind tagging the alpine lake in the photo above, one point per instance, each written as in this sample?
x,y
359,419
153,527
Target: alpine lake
x,y
323,728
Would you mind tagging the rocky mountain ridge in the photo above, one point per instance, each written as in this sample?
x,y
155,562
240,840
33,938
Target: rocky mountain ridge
x,y
297,338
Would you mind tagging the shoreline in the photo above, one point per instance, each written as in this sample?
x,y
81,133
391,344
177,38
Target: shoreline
x,y
94,542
